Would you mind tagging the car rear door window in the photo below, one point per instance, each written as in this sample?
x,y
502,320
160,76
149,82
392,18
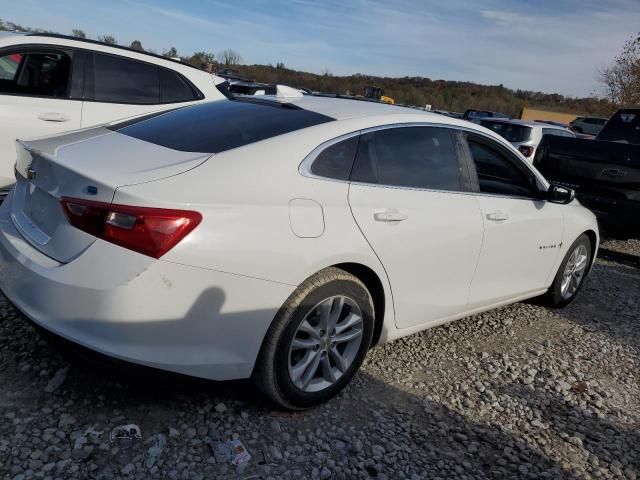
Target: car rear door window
x,y
498,171
35,73
413,157
336,160
120,80
174,88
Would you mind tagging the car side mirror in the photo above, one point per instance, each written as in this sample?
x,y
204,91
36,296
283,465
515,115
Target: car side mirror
x,y
560,194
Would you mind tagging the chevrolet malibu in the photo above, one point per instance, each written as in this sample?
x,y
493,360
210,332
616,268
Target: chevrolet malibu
x,y
279,239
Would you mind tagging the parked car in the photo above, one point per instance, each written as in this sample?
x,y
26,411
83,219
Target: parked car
x,y
258,237
557,124
605,172
588,125
525,136
52,83
476,116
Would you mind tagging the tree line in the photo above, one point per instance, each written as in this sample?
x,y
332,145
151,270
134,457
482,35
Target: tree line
x,y
621,79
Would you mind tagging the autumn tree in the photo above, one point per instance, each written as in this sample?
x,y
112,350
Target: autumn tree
x,y
137,45
202,60
108,39
622,78
171,52
229,57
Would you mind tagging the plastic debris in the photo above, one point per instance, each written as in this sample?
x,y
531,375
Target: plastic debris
x,y
125,432
93,432
159,444
57,380
232,451
239,452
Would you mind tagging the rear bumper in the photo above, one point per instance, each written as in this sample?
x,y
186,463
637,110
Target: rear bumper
x,y
131,307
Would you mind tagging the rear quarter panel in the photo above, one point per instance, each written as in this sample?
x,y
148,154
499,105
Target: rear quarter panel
x,y
244,196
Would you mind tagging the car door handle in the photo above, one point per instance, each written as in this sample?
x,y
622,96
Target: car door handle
x,y
390,216
497,216
53,117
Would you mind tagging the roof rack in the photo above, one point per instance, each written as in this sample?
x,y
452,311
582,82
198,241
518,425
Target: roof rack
x,y
121,47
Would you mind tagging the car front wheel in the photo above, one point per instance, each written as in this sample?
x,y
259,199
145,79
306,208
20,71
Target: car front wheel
x,y
317,341
571,274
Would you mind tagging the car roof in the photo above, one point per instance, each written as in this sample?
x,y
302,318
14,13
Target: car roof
x,y
7,33
373,113
109,45
341,108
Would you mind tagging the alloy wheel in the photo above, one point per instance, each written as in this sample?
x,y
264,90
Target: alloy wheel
x,y
574,272
325,344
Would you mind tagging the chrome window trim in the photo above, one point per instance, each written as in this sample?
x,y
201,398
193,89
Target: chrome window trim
x,y
304,168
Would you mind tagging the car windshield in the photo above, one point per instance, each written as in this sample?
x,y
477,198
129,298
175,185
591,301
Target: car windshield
x,y
624,126
510,131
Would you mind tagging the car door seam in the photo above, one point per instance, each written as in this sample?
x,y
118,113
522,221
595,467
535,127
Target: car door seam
x,y
353,216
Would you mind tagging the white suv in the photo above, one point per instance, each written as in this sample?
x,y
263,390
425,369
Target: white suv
x,y
53,83
588,125
523,135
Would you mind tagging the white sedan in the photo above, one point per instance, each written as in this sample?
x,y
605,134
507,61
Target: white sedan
x,y
280,239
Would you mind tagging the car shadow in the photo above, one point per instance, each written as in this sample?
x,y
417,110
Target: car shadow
x,y
573,417
619,257
609,302
386,429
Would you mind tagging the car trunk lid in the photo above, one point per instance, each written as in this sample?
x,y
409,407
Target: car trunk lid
x,y
86,164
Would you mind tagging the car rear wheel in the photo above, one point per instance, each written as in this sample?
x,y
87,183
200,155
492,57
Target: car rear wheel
x,y
571,274
317,341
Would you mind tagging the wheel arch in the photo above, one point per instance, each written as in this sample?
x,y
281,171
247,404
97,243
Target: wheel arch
x,y
593,239
375,286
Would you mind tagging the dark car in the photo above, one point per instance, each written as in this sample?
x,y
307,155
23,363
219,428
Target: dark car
x,y
605,172
476,116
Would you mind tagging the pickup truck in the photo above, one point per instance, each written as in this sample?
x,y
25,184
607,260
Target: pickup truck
x,y
604,172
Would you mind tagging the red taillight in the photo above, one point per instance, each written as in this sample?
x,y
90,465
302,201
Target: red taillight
x,y
525,150
150,231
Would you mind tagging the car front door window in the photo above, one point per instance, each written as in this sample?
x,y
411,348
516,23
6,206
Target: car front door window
x,y
35,73
497,173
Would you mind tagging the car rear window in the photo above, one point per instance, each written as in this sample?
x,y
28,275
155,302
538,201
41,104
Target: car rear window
x,y
510,131
624,126
221,125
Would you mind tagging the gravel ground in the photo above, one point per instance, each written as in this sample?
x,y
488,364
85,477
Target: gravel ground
x,y
521,392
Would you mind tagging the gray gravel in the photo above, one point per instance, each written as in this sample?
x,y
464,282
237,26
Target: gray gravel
x,y
522,392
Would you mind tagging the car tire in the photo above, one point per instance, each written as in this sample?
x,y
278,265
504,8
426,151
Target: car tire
x,y
311,327
573,269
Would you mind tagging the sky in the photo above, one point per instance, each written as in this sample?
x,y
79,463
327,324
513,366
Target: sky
x,y
554,46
